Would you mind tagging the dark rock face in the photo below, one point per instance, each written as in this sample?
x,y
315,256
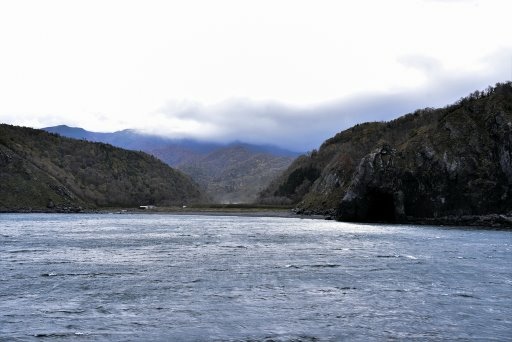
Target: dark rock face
x,y
445,176
50,204
392,184
374,194
432,164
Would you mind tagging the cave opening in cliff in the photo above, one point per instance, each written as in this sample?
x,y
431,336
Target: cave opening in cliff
x,y
381,206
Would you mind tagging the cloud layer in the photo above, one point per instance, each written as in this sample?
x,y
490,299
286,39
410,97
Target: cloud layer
x,y
305,128
288,72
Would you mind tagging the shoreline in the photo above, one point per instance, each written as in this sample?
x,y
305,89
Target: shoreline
x,y
487,222
203,211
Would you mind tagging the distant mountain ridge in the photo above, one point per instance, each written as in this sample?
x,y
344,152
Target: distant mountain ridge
x,y
129,139
44,171
132,139
228,173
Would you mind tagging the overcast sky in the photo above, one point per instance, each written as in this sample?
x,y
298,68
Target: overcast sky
x,y
291,73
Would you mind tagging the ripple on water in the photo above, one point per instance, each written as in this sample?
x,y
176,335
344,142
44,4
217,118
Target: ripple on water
x,y
189,278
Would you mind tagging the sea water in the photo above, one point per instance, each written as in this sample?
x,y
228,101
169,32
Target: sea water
x,y
218,278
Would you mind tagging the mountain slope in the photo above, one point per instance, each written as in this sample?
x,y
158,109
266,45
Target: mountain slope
x,y
42,170
233,173
455,160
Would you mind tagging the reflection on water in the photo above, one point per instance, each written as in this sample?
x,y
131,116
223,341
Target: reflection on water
x,y
189,278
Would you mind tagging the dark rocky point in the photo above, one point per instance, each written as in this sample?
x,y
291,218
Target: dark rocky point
x,y
451,165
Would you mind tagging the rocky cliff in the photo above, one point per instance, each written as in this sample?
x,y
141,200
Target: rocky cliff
x,y
434,163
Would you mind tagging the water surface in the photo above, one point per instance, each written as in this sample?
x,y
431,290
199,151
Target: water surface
x,y
203,278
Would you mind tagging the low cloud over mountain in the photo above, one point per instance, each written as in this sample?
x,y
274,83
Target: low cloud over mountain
x,y
304,128
297,128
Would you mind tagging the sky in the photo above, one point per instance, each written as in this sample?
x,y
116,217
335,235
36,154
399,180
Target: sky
x,y
285,72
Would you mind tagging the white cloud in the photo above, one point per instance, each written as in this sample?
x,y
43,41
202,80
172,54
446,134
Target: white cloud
x,y
113,64
303,128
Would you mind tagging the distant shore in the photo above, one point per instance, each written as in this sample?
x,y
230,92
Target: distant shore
x,y
491,221
222,210
212,210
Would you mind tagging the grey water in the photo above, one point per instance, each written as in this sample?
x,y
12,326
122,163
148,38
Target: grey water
x,y
218,278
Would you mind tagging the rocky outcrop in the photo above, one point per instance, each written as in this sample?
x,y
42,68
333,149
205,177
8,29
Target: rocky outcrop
x,y
459,171
375,193
428,166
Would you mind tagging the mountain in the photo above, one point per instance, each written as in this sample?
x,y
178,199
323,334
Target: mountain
x,y
128,139
235,173
175,153
434,163
42,171
227,173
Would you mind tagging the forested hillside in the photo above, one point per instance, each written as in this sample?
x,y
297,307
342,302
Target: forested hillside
x,y
226,173
40,170
235,173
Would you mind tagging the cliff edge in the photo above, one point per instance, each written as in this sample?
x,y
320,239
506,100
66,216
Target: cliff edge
x,y
433,165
